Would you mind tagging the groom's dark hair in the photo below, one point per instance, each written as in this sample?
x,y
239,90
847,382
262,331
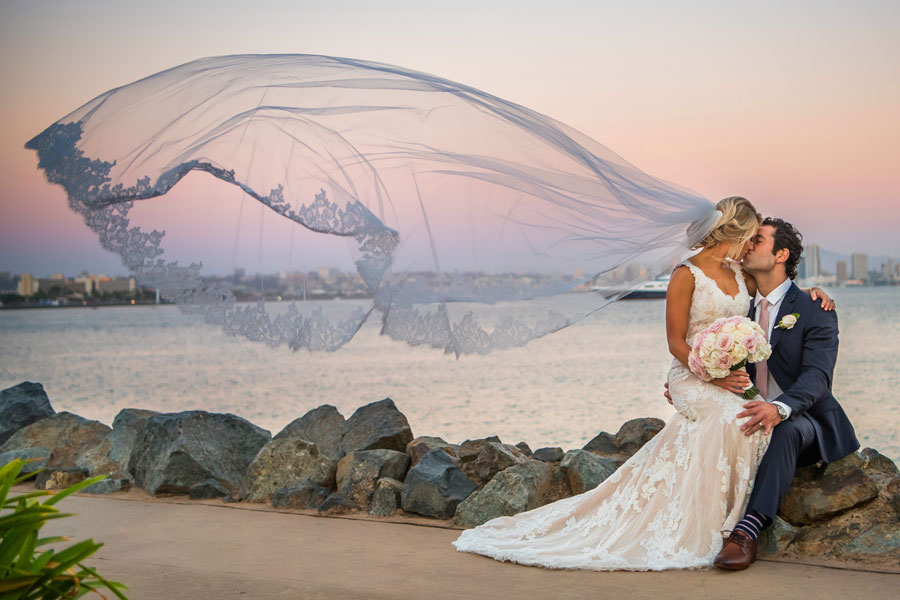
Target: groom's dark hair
x,y
788,238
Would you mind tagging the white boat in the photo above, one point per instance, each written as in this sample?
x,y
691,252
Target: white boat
x,y
655,288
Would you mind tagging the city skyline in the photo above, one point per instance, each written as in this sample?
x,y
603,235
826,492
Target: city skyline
x,y
794,109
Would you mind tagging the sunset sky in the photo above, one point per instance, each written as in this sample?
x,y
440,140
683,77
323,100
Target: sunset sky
x,y
795,105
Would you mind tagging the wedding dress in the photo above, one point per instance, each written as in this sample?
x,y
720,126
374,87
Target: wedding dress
x,y
666,507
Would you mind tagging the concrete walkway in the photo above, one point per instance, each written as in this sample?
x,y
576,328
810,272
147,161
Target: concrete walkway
x,y
175,549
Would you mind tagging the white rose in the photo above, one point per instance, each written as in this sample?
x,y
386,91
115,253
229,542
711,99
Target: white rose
x,y
788,321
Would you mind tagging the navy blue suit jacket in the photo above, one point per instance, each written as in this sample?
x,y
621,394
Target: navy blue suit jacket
x,y
802,364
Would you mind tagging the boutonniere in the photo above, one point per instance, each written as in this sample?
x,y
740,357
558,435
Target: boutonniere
x,y
788,321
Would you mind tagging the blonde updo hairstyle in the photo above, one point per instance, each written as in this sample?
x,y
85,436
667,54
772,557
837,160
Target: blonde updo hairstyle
x,y
738,224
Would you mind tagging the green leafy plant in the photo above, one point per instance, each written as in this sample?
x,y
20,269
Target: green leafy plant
x,y
26,571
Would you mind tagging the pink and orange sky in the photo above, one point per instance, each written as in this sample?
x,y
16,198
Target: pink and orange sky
x,y
795,105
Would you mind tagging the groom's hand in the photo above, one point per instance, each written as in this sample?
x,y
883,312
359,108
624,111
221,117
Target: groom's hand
x,y
667,394
762,415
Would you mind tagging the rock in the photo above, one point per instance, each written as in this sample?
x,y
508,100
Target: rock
x,y
637,432
828,538
853,460
422,445
206,490
66,435
526,450
336,504
435,486
358,472
549,454
776,538
831,494
376,425
585,470
481,459
603,444
302,494
285,461
59,478
516,489
38,457
322,426
559,486
386,499
875,461
108,486
174,451
112,454
882,540
20,406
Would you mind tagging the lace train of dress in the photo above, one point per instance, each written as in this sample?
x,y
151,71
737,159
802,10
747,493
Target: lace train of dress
x,y
669,504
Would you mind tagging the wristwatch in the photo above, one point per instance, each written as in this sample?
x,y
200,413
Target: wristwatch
x,y
782,412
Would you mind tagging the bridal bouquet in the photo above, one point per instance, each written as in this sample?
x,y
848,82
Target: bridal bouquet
x,y
728,345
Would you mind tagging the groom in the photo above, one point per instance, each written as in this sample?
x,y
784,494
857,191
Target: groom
x,y
797,408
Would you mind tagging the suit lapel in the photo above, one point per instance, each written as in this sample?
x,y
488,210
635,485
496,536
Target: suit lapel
x,y
787,307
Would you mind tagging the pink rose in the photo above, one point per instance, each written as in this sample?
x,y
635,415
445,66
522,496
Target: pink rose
x,y
716,327
750,343
723,360
724,342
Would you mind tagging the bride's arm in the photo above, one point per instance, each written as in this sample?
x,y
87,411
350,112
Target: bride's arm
x,y
678,311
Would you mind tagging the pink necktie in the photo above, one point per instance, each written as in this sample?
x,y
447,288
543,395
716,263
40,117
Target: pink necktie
x,y
762,368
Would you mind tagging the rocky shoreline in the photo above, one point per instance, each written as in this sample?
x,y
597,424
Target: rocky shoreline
x,y
847,511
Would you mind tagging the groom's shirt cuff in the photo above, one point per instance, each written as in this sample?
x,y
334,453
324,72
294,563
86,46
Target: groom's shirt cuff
x,y
786,407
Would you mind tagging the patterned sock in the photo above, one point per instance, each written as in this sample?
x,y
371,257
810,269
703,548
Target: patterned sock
x,y
752,524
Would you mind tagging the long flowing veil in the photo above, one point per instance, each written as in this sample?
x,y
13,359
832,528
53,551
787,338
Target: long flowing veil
x,y
472,223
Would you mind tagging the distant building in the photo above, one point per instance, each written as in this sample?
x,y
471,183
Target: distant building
x,y
860,264
106,285
813,264
28,285
842,271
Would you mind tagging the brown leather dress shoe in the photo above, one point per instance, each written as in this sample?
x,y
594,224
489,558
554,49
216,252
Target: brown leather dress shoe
x,y
737,553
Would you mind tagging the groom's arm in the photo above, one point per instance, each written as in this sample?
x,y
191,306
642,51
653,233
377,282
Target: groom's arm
x,y
820,348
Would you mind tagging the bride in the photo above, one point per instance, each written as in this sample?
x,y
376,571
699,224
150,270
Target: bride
x,y
668,506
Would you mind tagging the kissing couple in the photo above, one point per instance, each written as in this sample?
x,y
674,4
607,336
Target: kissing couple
x,y
721,466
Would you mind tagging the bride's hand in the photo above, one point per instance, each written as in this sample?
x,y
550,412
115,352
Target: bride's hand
x,y
736,381
815,293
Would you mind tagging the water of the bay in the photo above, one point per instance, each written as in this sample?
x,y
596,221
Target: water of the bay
x,y
560,390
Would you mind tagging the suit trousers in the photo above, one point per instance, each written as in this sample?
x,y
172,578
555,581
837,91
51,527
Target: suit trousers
x,y
791,439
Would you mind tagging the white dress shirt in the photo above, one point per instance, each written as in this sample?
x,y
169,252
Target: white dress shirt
x,y
775,297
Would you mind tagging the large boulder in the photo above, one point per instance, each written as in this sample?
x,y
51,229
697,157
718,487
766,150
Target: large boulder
x,y
285,461
177,450
387,497
435,486
301,494
20,406
635,433
66,435
112,454
550,454
776,538
843,485
603,444
846,511
519,488
482,459
376,425
422,445
358,472
37,457
585,470
322,426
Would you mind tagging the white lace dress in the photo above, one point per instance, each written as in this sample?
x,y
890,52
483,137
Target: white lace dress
x,y
668,506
